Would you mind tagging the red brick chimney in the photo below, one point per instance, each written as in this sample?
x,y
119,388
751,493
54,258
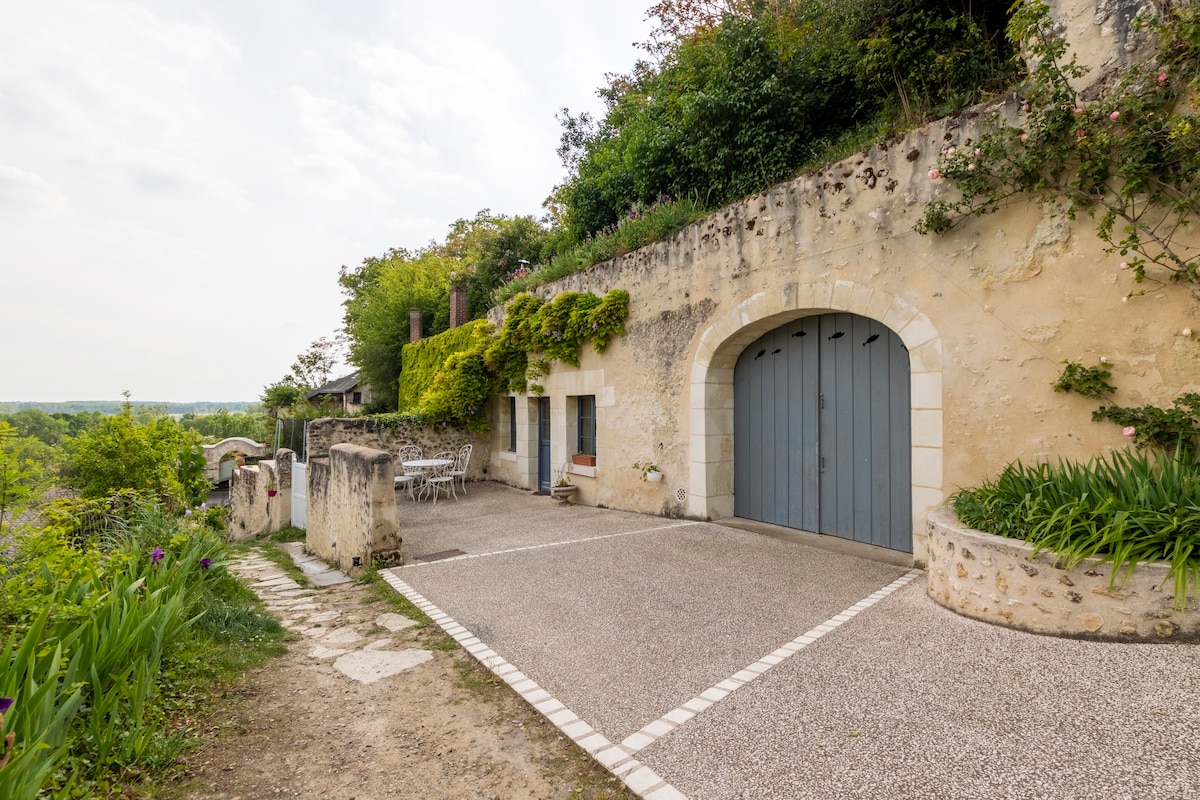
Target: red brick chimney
x,y
458,305
414,324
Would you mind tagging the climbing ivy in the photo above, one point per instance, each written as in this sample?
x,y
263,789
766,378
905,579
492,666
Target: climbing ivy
x,y
449,378
1128,156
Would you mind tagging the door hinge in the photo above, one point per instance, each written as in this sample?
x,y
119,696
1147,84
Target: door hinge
x,y
821,400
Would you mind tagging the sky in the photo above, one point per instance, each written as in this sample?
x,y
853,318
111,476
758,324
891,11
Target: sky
x,y
181,182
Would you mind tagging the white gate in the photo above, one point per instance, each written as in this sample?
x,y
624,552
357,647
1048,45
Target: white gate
x,y
299,494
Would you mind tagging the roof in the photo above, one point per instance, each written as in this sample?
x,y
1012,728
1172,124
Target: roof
x,y
338,386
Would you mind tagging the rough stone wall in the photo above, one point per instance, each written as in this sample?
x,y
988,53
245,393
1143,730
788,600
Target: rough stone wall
x,y
352,508
999,580
367,432
253,511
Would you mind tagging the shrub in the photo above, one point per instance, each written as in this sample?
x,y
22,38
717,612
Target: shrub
x,y
1124,509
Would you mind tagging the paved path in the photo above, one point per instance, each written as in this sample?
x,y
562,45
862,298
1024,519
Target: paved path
x,y
696,660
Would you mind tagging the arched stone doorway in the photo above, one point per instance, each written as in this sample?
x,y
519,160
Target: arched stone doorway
x,y
711,475
821,430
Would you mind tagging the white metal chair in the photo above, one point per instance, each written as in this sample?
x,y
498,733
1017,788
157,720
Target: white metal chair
x,y
437,478
460,465
404,476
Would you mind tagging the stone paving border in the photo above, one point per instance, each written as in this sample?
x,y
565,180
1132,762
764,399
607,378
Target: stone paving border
x,y
619,759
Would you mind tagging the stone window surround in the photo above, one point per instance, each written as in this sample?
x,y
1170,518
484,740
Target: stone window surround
x,y
710,484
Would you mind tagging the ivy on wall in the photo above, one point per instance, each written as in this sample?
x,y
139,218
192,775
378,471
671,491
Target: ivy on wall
x,y
449,378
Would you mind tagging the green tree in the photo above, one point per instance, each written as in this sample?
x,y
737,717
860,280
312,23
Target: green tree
x,y
38,424
379,295
489,248
158,459
23,473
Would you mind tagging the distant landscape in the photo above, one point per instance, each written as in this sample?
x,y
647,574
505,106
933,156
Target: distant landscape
x,y
113,406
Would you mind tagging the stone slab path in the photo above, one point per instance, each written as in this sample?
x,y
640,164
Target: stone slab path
x,y
358,645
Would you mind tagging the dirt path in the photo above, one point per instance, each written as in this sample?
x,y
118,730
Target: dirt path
x,y
302,726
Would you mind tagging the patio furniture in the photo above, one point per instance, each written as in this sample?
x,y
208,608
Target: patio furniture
x,y
438,477
404,475
425,468
460,465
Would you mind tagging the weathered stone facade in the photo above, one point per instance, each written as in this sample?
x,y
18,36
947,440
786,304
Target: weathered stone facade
x,y
1000,580
987,313
352,508
260,497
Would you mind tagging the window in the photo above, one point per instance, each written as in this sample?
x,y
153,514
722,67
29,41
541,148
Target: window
x,y
356,399
512,424
587,424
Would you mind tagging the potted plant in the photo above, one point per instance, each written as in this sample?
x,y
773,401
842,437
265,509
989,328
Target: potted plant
x,y
272,489
584,459
650,471
563,489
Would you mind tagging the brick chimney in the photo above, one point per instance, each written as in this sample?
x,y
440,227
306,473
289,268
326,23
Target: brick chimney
x,y
458,305
414,324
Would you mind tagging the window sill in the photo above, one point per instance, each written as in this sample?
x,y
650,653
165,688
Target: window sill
x,y
508,455
578,469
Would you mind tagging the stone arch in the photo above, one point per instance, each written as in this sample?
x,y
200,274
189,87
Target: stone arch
x,y
213,453
710,487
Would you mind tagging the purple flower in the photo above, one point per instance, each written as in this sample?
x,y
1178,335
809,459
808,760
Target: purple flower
x,y
5,704
666,198
204,506
205,563
632,214
156,555
187,513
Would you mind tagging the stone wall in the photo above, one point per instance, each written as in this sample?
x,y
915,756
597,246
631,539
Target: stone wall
x,y
214,453
253,509
987,313
368,432
352,508
999,580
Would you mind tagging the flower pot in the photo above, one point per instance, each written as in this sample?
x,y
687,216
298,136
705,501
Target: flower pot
x,y
583,460
563,493
272,492
654,476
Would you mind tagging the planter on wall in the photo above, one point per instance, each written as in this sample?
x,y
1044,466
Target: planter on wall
x,y
272,492
583,460
654,476
1000,580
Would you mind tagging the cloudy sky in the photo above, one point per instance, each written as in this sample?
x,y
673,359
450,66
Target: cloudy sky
x,y
180,182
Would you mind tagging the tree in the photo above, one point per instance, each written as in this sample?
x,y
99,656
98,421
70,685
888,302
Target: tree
x,y
314,367
158,459
488,249
379,295
23,473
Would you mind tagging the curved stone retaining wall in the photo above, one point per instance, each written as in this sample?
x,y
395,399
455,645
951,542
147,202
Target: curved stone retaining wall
x,y
999,580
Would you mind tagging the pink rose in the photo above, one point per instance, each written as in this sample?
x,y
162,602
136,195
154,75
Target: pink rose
x,y
1128,432
1115,116
934,174
970,167
1122,265
1025,107
1162,76
1024,137
1077,110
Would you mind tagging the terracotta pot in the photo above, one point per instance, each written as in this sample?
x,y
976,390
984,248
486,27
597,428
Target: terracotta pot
x,y
583,460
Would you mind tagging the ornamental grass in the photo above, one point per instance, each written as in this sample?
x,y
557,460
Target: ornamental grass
x,y
1126,509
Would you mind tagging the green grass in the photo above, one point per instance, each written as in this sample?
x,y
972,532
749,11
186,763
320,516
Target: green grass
x,y
289,534
1125,509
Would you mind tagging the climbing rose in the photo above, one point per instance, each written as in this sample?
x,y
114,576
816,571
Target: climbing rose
x,y
970,167
1186,332
1025,107
1115,116
934,174
1024,137
1123,265
1162,76
1077,110
1128,432
156,555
